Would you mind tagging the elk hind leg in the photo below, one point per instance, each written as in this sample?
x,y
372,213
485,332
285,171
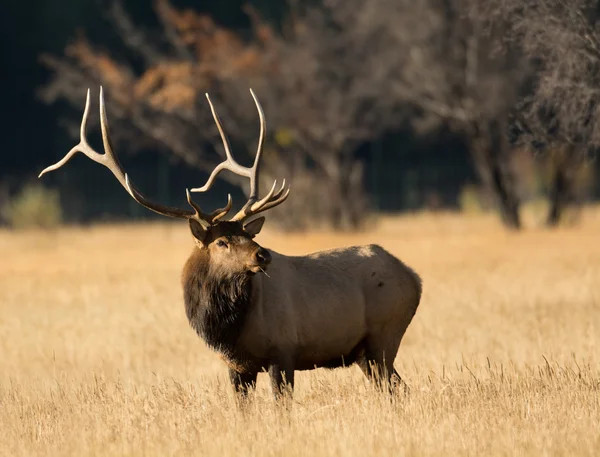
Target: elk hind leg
x,y
375,371
377,364
399,383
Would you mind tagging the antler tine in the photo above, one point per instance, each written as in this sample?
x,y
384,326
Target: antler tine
x,y
221,212
229,163
212,217
253,205
263,205
83,146
275,202
269,197
254,182
110,161
266,198
280,191
255,170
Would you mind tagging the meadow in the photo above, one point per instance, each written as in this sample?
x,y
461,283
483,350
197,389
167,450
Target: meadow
x,y
502,357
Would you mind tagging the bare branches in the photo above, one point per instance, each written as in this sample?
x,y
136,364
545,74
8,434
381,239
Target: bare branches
x,y
131,35
342,72
164,10
561,113
564,39
455,69
326,82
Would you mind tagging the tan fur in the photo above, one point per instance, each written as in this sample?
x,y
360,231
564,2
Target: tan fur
x,y
303,311
322,305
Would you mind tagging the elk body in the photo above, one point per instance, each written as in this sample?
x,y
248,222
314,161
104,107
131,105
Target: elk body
x,y
261,310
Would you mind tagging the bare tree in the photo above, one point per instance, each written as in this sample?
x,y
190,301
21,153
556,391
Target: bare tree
x,y
325,82
455,68
561,114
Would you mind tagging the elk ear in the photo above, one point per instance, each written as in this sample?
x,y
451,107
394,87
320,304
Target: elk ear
x,y
198,231
253,228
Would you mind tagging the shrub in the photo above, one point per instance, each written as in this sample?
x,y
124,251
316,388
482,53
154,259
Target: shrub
x,y
470,199
34,206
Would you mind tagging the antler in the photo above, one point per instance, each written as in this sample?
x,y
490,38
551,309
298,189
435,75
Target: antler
x,y
253,206
110,161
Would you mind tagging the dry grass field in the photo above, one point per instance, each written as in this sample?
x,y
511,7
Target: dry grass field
x,y
503,356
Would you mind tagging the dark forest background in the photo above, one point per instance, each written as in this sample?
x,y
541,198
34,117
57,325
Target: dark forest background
x,y
404,165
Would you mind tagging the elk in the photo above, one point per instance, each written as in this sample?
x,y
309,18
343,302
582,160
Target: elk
x,y
262,310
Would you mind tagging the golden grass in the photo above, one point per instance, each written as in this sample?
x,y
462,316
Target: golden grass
x,y
97,358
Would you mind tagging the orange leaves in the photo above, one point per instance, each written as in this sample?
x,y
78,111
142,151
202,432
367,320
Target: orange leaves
x,y
219,54
187,23
217,49
199,31
169,86
175,81
117,77
173,97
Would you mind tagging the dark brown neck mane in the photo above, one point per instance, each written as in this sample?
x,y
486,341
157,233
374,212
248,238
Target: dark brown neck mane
x,y
216,307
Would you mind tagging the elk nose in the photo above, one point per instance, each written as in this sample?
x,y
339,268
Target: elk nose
x,y
262,257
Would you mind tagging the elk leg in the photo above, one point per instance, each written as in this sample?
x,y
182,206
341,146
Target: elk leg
x,y
397,381
242,382
282,379
377,368
377,363
375,371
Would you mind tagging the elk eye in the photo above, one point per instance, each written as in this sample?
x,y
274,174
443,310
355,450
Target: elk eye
x,y
221,244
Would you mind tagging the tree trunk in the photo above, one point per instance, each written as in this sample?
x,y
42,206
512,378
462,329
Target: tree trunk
x,y
349,204
333,198
506,196
490,151
561,187
558,197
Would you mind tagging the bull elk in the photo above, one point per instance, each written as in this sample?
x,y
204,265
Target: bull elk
x,y
327,309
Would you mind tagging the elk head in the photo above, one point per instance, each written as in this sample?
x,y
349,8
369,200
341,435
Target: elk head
x,y
228,244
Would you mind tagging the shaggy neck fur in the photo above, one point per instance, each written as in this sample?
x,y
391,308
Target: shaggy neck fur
x,y
216,306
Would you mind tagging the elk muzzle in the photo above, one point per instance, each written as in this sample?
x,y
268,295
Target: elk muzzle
x,y
260,260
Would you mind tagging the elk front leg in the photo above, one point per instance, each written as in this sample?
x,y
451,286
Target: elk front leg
x,y
242,382
282,378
